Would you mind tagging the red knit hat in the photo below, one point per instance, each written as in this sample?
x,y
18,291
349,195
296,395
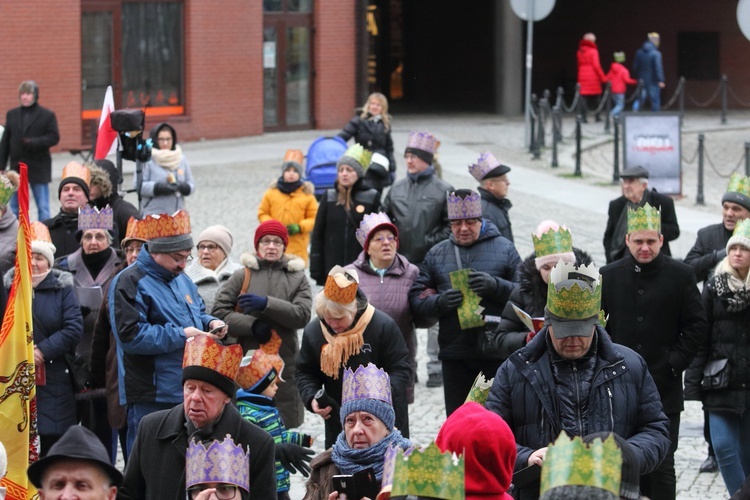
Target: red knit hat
x,y
274,228
488,448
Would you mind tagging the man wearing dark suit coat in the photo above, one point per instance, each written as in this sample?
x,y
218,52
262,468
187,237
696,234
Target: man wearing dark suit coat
x,y
30,131
635,193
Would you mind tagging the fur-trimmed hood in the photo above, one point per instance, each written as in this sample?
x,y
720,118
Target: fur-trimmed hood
x,y
60,279
288,262
307,186
533,285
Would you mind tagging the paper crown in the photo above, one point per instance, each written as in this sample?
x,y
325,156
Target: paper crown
x,y
742,229
339,286
739,184
389,464
164,225
93,218
135,231
359,154
366,382
75,169
553,242
40,232
370,222
480,390
7,188
424,141
429,473
645,218
259,365
220,462
570,462
294,155
486,164
567,298
204,351
467,208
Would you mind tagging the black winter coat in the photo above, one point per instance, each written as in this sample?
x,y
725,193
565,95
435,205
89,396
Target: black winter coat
x,y
531,296
496,210
62,231
656,310
39,125
622,399
669,227
491,254
333,241
372,135
707,251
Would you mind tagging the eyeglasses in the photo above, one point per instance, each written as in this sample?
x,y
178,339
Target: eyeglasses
x,y
383,239
468,222
223,491
271,241
182,260
210,248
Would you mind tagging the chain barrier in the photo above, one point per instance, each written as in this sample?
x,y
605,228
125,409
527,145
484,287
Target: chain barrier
x,y
708,102
691,160
739,101
680,88
602,101
716,171
636,93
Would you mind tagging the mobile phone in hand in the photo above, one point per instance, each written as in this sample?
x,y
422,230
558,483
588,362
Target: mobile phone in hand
x,y
215,330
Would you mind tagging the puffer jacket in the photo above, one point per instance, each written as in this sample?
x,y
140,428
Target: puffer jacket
x,y
333,241
149,308
729,338
372,135
496,210
618,77
289,305
622,399
420,212
492,254
58,328
647,64
590,74
298,207
530,296
208,283
707,250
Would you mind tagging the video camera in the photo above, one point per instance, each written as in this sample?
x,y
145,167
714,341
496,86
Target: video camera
x,y
129,125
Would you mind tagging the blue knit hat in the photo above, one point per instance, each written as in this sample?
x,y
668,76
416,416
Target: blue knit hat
x,y
368,389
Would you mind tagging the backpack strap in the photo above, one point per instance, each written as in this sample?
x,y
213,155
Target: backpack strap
x,y
245,286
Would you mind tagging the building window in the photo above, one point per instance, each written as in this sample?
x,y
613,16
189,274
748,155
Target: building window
x,y
698,55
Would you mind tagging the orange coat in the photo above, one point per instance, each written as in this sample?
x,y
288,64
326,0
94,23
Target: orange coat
x,y
298,207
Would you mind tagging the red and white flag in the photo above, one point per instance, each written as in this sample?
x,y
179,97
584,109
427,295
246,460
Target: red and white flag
x,y
106,138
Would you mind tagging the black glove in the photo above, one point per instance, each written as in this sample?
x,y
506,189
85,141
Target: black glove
x,y
251,302
482,283
450,299
720,254
294,458
183,188
164,189
261,331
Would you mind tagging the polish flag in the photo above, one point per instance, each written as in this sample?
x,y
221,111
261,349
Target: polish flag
x,y
106,138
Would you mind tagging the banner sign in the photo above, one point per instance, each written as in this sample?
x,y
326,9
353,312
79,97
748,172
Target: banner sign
x,y
652,140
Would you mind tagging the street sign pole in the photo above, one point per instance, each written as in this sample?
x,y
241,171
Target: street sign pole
x,y
529,65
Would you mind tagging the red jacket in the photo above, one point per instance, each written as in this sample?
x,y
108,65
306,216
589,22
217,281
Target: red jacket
x,y
618,77
590,74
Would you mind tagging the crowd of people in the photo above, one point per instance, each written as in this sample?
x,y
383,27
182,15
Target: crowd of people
x,y
198,361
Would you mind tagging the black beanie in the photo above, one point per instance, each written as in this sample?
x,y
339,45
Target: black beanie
x,y
422,154
215,378
74,180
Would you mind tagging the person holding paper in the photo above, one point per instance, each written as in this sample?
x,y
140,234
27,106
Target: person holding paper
x,y
485,266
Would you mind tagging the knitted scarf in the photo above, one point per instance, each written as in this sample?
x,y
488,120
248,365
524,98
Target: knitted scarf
x,y
342,346
288,187
349,460
167,158
730,289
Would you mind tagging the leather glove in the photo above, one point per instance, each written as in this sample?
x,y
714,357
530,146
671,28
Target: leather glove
x,y
250,302
183,188
261,331
293,229
720,254
164,189
450,299
294,458
482,283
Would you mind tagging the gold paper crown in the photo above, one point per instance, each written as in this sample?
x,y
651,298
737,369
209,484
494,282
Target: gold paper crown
x,y
93,218
204,351
359,154
567,298
480,390
739,184
294,155
135,231
570,462
40,232
645,218
163,225
259,363
553,242
429,473
75,169
7,188
339,286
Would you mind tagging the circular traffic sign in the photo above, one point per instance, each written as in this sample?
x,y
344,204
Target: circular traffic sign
x,y
540,8
743,17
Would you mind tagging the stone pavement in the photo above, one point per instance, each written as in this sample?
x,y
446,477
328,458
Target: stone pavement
x,y
231,176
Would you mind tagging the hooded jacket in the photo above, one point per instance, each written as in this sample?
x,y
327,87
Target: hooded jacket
x,y
590,74
153,174
647,64
208,282
618,77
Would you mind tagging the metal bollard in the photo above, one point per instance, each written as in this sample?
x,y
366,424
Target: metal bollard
x,y
579,119
723,99
616,169
608,110
681,99
540,136
747,158
699,200
556,135
533,118
557,122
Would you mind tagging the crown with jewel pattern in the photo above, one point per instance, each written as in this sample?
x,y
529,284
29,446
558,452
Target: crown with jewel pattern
x,y
164,225
203,351
93,218
220,462
486,164
480,390
567,298
469,207
369,223
134,231
341,285
553,242
645,218
429,473
366,382
389,464
261,366
739,184
359,154
7,188
422,140
39,232
570,462
75,169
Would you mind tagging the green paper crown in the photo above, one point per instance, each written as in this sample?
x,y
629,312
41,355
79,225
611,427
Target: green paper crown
x,y
570,462
646,218
739,184
6,190
573,301
553,242
742,229
480,390
360,155
429,473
